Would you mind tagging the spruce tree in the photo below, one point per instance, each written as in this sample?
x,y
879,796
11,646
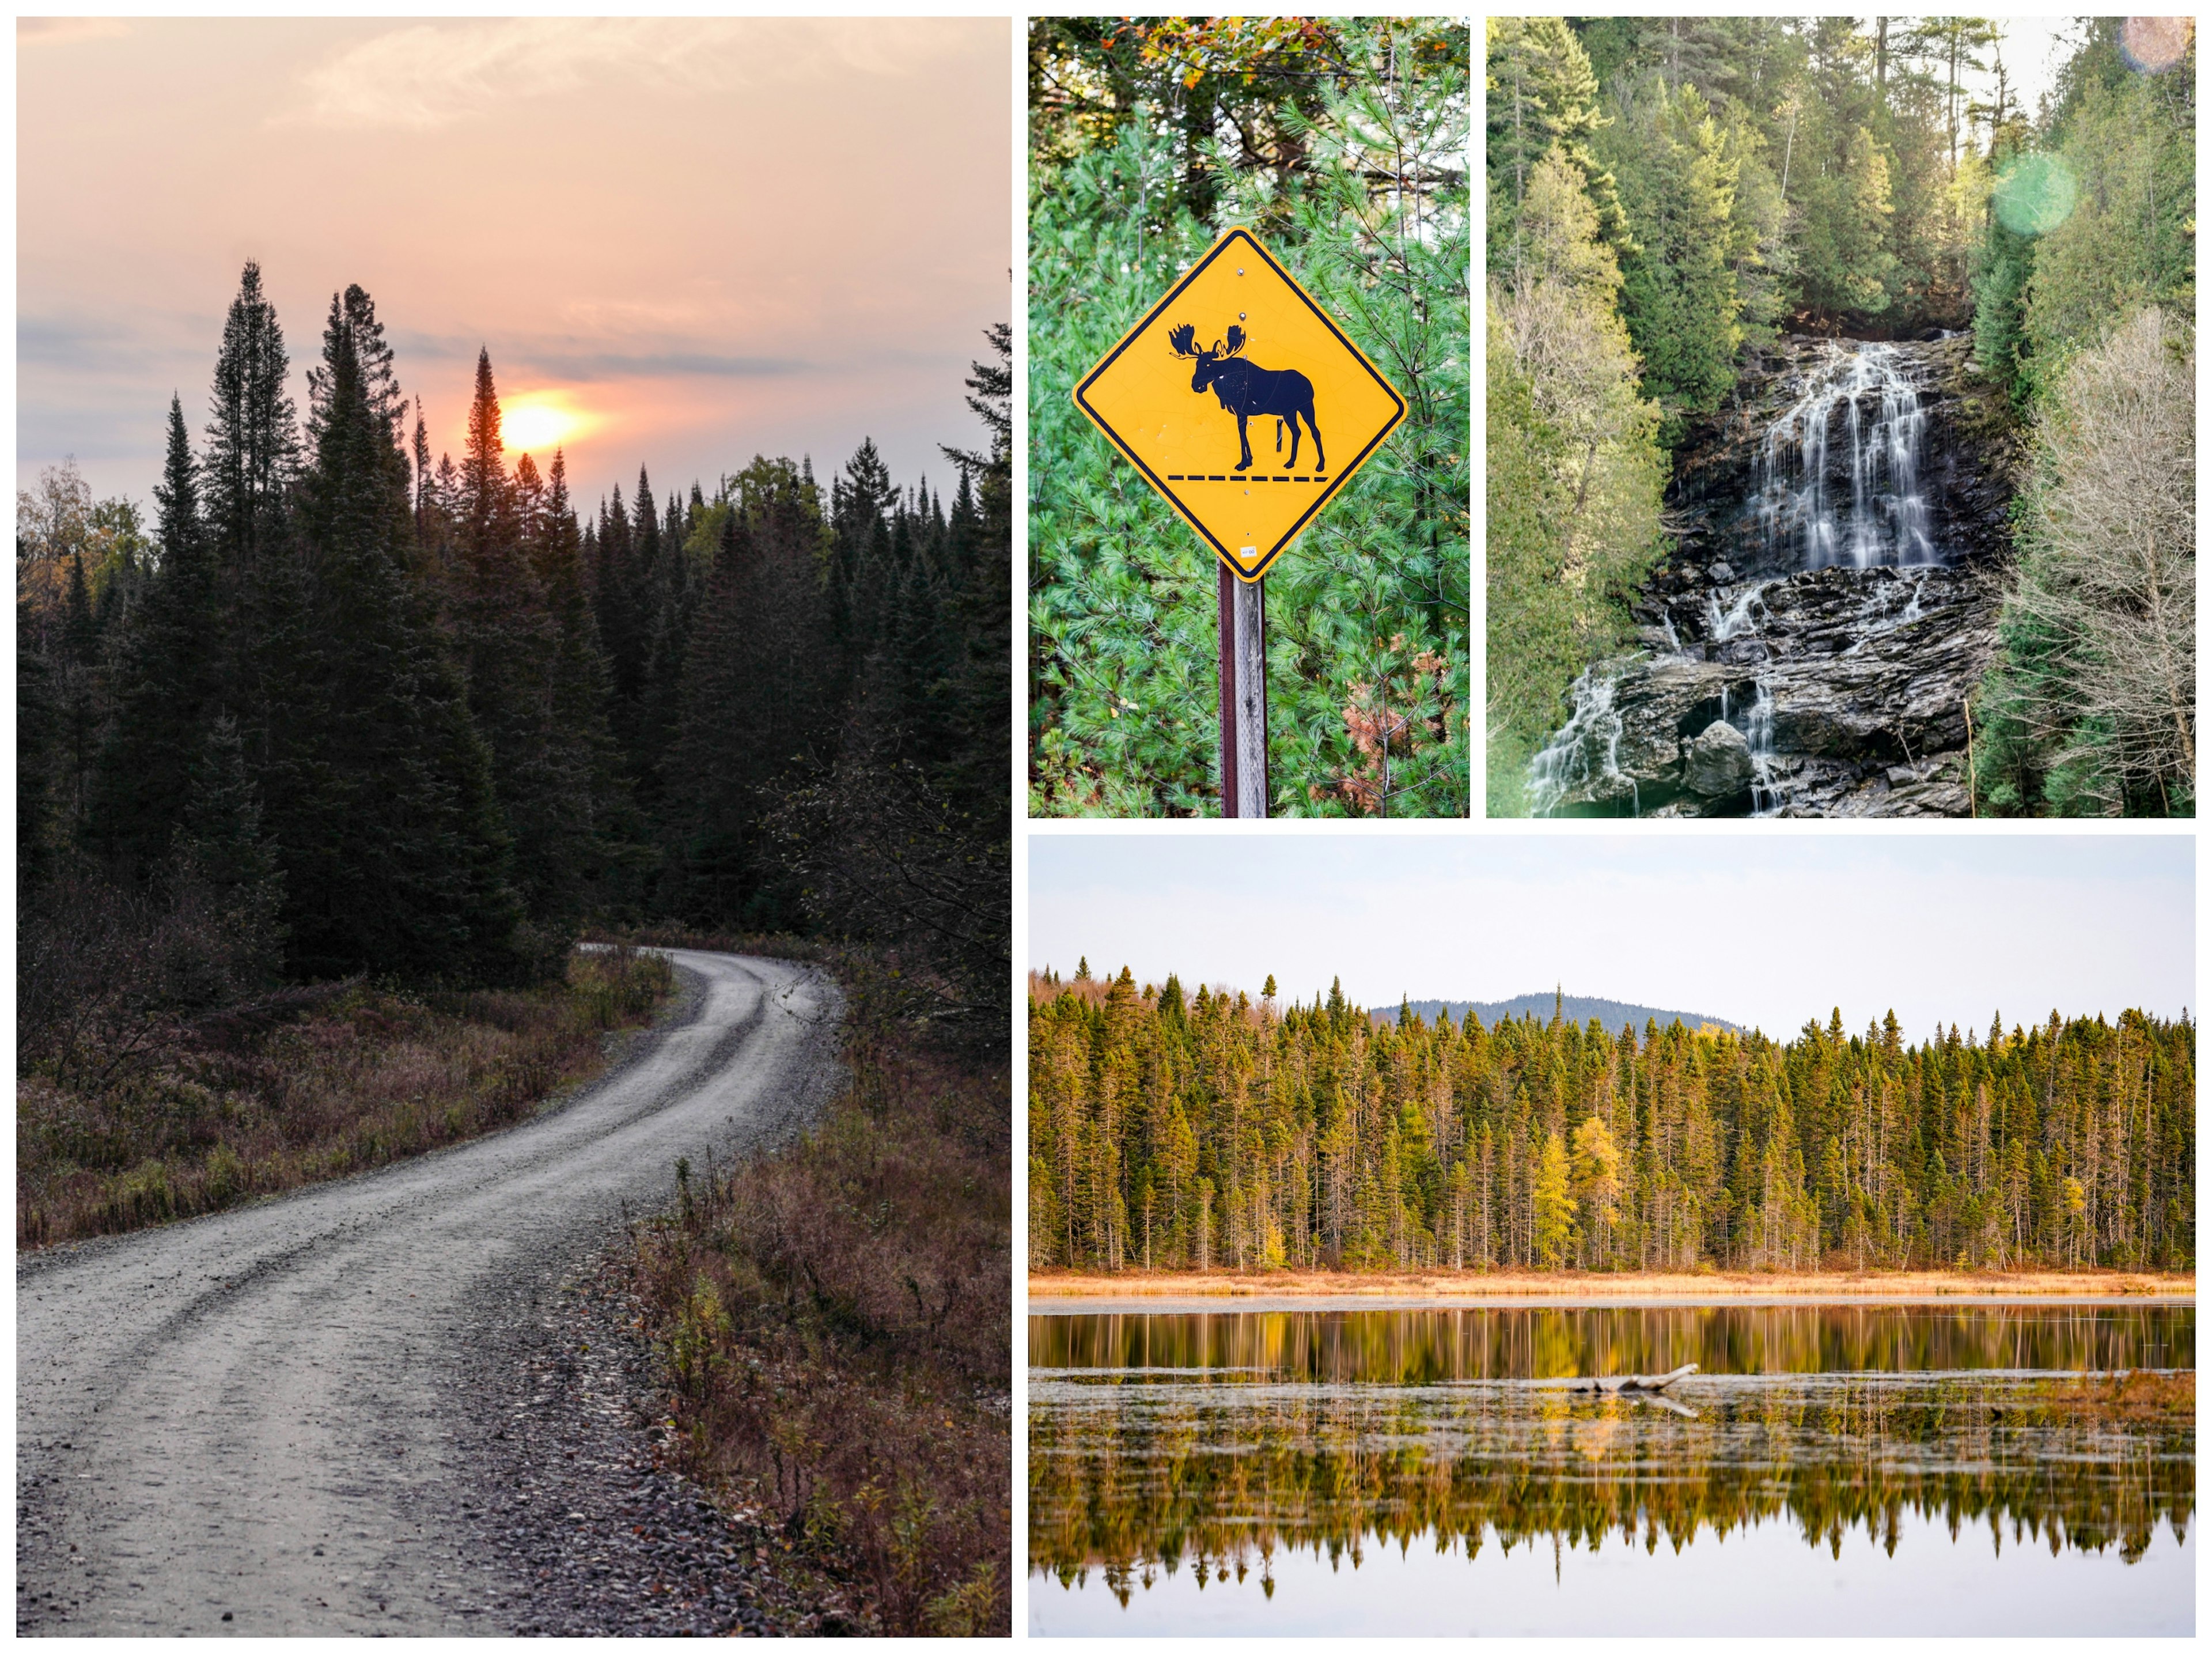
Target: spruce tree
x,y
253,447
757,722
169,680
221,846
509,646
379,793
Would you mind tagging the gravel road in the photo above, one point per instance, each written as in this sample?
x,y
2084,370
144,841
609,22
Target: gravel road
x,y
292,1418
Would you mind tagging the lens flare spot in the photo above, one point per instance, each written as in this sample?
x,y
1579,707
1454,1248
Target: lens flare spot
x,y
538,422
2035,194
2153,45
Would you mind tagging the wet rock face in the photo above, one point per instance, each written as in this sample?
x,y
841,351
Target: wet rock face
x,y
1832,600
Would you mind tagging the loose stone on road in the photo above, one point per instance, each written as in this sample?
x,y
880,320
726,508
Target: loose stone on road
x,y
276,1421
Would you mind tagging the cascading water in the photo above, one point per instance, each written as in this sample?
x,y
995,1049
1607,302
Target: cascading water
x,y
1586,750
1827,600
1741,615
1886,519
1758,736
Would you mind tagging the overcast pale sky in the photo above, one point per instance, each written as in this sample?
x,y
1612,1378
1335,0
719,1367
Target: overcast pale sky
x,y
2033,49
693,239
1766,930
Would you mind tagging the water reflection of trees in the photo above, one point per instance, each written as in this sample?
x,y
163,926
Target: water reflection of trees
x,y
1417,1347
1220,1474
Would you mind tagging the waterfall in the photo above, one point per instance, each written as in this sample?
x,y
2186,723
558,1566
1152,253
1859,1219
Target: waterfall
x,y
1876,393
1828,598
1758,735
1740,616
1593,732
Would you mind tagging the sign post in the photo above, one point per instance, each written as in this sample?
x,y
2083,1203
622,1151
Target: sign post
x,y
1167,396
1243,697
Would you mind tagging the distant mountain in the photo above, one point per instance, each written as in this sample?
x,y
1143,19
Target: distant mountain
x,y
1578,1008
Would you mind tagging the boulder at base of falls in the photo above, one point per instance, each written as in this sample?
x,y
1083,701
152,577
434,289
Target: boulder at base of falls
x,y
1717,764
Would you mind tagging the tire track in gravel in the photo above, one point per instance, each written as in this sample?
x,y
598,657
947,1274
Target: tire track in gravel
x,y
283,1418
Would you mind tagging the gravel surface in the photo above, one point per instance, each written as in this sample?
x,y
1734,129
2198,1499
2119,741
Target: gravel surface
x,y
351,1409
580,1528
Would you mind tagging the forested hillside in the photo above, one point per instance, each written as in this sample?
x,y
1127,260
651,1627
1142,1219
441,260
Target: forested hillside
x,y
1669,195
1576,1007
346,709
1174,1131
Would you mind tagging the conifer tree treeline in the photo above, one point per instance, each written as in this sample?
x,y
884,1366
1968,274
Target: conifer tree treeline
x,y
1181,1131
418,721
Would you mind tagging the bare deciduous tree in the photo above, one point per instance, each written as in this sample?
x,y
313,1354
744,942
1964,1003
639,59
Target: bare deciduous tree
x,y
2109,565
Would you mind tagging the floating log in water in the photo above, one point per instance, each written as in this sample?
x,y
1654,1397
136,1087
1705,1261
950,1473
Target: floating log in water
x,y
1634,1386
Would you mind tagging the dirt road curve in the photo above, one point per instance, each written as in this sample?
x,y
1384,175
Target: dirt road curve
x,y
261,1422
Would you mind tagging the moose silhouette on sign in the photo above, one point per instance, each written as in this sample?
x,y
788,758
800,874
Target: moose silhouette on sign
x,y
1251,391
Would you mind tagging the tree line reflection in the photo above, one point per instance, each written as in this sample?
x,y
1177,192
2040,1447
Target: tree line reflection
x,y
1335,1439
1435,1346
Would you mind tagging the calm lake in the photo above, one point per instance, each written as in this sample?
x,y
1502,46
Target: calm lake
x,y
1843,1469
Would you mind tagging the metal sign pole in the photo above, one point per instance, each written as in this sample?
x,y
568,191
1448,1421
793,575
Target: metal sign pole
x,y
1243,698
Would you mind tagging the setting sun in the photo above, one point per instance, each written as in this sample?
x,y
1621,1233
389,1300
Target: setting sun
x,y
537,423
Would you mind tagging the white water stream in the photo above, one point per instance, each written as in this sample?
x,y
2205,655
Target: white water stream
x,y
1885,519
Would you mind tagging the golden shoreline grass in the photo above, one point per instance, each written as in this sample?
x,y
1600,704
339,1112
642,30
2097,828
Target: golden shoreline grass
x,y
1579,1288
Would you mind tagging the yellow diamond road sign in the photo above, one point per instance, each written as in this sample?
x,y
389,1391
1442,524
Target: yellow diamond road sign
x,y
1241,402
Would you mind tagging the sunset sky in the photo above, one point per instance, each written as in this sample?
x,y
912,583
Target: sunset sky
x,y
686,241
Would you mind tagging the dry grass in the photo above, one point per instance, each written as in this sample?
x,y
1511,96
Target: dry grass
x,y
1584,1287
2133,1398
308,1085
835,1329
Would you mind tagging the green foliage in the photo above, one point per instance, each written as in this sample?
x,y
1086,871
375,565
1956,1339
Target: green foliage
x,y
1843,257
454,723
2087,263
1682,293
1540,94
1166,1133
1841,173
1574,475
1367,658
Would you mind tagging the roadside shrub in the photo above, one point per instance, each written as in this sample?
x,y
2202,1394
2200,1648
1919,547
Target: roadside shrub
x,y
835,1326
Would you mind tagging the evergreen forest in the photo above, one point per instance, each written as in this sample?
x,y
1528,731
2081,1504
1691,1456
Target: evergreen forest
x,y
1208,1130
344,709
1668,195
1341,143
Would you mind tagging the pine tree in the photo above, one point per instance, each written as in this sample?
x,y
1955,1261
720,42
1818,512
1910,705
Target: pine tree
x,y
221,846
354,312
509,647
756,723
